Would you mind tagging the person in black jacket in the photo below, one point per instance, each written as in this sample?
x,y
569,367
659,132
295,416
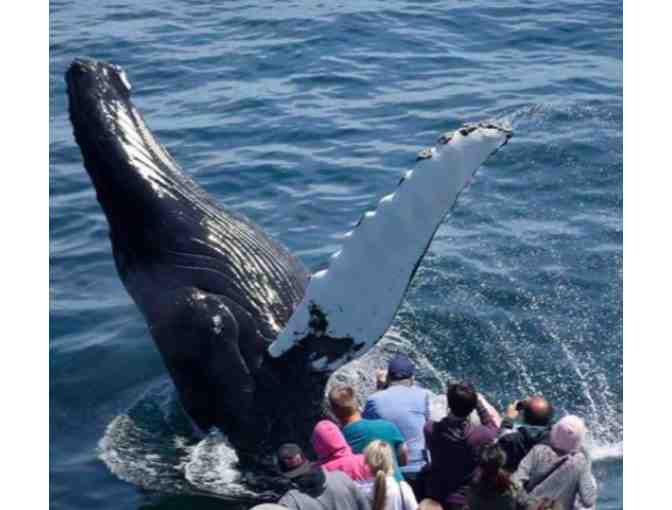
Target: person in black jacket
x,y
537,414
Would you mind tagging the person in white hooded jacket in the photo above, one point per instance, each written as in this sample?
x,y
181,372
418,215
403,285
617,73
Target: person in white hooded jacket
x,y
561,470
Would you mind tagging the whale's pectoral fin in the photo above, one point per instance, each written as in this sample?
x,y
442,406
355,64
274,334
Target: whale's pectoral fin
x,y
199,342
349,307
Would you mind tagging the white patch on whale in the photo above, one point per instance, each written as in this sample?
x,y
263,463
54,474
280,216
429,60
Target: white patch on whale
x,y
360,292
124,79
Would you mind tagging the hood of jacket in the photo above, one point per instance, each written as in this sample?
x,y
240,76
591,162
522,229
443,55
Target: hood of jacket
x,y
313,483
328,442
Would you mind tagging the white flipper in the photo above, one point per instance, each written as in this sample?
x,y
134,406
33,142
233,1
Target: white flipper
x,y
349,307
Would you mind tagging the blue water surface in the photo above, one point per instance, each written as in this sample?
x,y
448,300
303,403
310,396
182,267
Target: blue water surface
x,y
303,114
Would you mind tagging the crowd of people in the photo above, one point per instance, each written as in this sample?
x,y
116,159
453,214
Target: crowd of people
x,y
392,456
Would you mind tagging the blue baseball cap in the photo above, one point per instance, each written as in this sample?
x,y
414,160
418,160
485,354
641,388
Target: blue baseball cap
x,y
400,367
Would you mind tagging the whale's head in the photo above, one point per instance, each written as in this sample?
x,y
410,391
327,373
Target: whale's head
x,y
120,154
137,182
97,79
140,187
93,88
158,216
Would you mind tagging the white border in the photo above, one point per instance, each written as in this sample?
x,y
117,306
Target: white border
x,y
647,285
24,370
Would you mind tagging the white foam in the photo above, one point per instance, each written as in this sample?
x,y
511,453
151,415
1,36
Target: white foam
x,y
605,451
212,466
144,448
125,457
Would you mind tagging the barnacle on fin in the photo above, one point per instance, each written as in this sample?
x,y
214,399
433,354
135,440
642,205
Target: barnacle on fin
x,y
425,154
468,128
445,137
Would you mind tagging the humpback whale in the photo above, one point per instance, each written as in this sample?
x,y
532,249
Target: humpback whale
x,y
248,337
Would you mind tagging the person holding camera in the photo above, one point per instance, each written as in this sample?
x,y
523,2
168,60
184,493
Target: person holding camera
x,y
537,414
454,443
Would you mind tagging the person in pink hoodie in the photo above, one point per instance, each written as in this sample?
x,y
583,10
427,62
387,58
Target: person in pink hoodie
x,y
334,453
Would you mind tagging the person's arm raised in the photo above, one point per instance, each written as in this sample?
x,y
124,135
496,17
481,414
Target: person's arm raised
x,y
402,454
487,414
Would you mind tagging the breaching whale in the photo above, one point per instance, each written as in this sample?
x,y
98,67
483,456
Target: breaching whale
x,y
248,337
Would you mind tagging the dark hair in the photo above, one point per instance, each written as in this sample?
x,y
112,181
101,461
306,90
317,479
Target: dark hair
x,y
343,402
538,411
462,399
492,459
291,461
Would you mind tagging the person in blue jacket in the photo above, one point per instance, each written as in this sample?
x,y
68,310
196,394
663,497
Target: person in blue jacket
x,y
407,405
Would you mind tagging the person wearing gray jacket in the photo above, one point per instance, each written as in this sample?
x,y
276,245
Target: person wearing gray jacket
x,y
315,488
560,471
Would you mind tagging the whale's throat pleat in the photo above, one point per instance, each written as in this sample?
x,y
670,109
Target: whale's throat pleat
x,y
162,222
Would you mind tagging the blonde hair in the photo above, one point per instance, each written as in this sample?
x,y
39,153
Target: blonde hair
x,y
378,456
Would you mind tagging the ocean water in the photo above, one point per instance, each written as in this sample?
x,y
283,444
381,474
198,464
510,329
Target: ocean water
x,y
301,115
